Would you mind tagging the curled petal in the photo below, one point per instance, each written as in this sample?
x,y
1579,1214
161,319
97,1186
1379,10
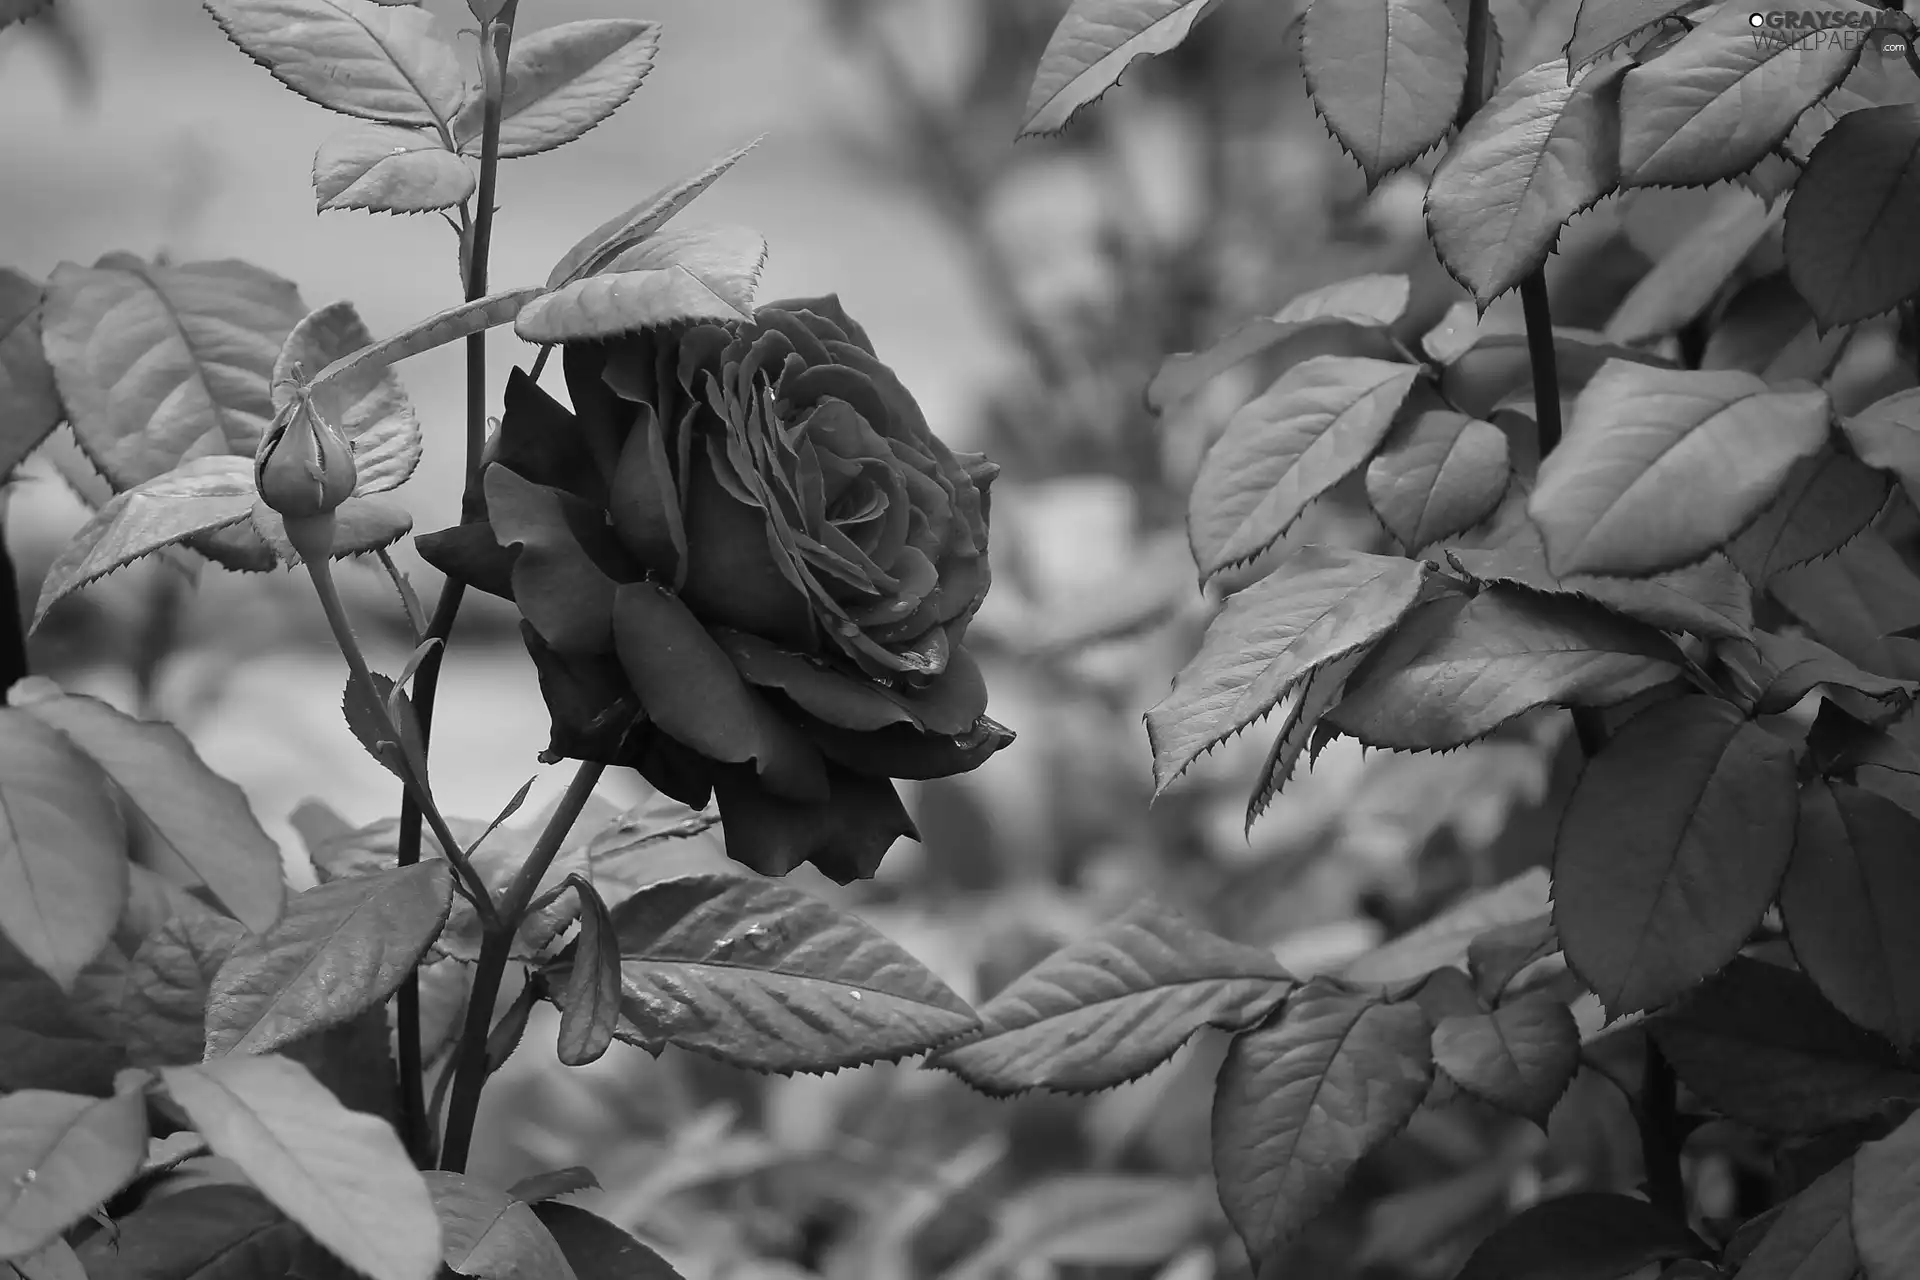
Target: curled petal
x,y
471,554
569,563
948,705
900,751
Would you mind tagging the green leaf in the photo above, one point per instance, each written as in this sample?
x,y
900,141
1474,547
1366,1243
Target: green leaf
x,y
1886,435
1671,849
1589,1235
194,816
1796,666
1321,604
1826,502
30,405
57,1261
556,1182
1115,1004
1102,1220
385,169
1812,1237
1501,954
1846,223
562,81
598,1250
1441,472
1603,24
1543,150
164,1007
1458,669
1848,896
592,1002
219,1231
759,975
340,1174
198,497
1858,602
622,232
164,364
1715,104
456,322
1313,697
1298,1103
488,1234
369,727
1758,1044
50,1038
1521,1057
1886,1203
1095,43
1312,429
1691,274
61,1156
691,274
1709,598
63,849
1364,302
360,525
1659,468
340,948
1386,76
375,62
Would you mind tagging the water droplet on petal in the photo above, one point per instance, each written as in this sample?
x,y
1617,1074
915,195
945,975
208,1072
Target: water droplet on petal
x,y
856,995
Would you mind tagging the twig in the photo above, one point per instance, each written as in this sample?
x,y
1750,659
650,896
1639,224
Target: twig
x,y
476,242
496,947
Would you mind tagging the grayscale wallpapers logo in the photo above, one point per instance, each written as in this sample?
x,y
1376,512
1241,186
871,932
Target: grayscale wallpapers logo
x,y
1886,33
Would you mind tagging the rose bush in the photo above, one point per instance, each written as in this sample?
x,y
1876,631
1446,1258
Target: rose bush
x,y
744,567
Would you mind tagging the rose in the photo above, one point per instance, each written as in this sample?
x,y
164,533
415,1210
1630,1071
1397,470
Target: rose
x,y
745,567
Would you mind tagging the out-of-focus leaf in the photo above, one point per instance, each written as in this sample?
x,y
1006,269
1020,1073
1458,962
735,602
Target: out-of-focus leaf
x,y
341,1175
164,1008
63,849
30,406
1846,219
1812,1237
222,1231
201,818
1886,1203
62,1155
1590,1235
1691,274
1092,1220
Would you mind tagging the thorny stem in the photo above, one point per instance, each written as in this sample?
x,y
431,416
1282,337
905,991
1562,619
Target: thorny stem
x,y
320,570
476,243
496,947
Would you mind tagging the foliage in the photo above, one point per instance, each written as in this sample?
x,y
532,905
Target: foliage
x,y
746,569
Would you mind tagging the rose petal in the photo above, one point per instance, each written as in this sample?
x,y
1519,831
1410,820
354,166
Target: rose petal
x,y
846,835
645,503
900,751
541,441
470,553
733,579
948,705
597,717
691,690
806,343
825,308
810,387
569,561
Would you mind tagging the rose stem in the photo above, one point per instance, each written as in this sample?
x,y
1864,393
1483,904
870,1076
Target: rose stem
x,y
476,244
496,946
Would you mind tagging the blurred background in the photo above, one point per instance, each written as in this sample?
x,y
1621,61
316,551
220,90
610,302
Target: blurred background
x,y
1026,293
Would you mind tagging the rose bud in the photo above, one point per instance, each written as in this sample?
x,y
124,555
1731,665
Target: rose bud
x,y
745,568
304,469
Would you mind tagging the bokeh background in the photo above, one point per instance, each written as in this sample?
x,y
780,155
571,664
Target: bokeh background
x,y
1025,293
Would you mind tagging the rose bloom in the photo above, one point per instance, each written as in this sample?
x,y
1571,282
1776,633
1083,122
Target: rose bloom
x,y
745,567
